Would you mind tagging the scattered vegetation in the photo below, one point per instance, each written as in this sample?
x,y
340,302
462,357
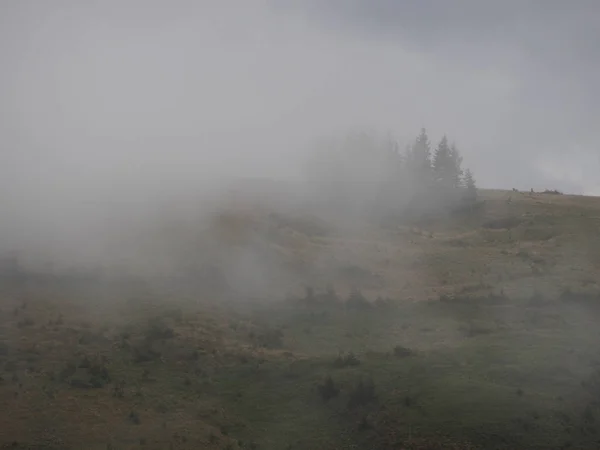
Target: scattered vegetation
x,y
328,389
402,352
270,338
348,360
356,300
134,418
362,394
489,354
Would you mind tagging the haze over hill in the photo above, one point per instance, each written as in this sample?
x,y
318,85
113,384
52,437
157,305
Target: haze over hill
x,y
112,100
299,225
471,329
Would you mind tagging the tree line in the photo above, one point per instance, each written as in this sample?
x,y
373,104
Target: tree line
x,y
442,169
368,174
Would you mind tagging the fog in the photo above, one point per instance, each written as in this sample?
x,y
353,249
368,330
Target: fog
x,y
222,226
117,117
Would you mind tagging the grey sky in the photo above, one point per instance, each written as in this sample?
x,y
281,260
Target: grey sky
x,y
137,97
520,76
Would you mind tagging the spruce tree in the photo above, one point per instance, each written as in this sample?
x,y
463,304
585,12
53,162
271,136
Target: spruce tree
x,y
442,163
471,188
455,169
447,165
420,154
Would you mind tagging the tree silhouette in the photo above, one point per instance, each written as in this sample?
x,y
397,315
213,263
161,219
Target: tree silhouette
x,y
442,163
418,159
447,165
455,170
471,188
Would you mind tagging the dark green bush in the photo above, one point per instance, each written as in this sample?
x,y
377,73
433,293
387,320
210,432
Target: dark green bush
x,y
134,418
402,352
348,360
328,389
362,394
356,300
145,353
158,331
272,338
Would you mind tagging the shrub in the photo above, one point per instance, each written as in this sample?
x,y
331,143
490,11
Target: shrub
x,y
159,331
119,389
356,300
85,363
162,408
362,394
348,360
145,353
99,372
402,352
270,338
328,389
134,418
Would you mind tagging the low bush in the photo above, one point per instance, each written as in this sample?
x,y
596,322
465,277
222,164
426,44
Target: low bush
x,y
134,418
328,389
271,338
402,352
356,300
347,360
145,353
362,394
158,331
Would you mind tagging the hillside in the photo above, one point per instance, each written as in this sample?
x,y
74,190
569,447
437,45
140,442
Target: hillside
x,y
472,331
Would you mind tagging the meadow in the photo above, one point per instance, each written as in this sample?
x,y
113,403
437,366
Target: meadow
x,y
475,331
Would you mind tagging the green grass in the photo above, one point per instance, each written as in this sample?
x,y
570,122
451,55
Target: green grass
x,y
507,385
495,383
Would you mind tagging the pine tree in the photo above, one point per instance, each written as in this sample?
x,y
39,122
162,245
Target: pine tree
x,y
456,171
471,188
419,157
447,165
442,162
418,164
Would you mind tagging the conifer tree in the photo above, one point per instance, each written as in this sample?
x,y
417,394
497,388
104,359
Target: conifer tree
x,y
471,188
442,162
455,170
447,165
420,153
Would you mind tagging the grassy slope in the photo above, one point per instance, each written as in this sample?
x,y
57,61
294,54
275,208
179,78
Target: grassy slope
x,y
499,359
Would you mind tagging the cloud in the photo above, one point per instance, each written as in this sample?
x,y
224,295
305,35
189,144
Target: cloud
x,y
540,56
150,94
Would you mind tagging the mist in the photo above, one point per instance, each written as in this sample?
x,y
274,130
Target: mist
x,y
316,224
118,117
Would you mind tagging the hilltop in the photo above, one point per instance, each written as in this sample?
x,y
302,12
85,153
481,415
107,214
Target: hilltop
x,y
285,330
